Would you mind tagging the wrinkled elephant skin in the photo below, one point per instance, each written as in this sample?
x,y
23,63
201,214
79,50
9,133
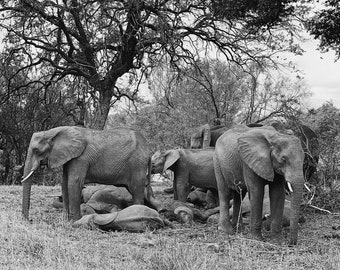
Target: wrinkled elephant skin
x,y
119,157
186,213
245,211
135,218
247,159
191,167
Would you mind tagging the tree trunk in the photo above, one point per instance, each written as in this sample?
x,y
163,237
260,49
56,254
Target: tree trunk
x,y
102,110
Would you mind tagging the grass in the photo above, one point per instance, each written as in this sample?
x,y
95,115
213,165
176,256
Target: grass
x,y
48,243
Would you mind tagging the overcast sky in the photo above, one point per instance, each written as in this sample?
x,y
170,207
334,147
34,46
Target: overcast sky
x,y
322,74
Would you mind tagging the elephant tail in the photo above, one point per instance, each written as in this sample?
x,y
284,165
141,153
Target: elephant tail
x,y
148,175
149,193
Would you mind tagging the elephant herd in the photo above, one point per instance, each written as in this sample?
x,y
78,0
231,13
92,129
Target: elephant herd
x,y
231,162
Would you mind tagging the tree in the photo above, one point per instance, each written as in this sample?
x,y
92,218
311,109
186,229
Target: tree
x,y
101,41
325,26
325,121
25,111
271,98
214,89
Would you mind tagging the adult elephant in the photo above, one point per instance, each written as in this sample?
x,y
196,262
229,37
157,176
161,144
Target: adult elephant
x,y
119,157
207,136
191,167
250,158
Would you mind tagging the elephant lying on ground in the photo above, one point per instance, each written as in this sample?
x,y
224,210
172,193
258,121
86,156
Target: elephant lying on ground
x,y
191,167
135,218
247,159
187,213
103,199
120,157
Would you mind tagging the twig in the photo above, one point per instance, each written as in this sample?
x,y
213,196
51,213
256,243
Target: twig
x,y
320,209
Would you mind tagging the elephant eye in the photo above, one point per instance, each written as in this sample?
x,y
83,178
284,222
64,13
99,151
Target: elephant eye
x,y
283,159
36,151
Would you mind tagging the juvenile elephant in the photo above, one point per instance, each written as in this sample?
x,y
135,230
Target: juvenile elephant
x,y
190,166
250,158
119,157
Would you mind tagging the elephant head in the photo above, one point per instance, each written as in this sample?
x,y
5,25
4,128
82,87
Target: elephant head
x,y
162,161
272,153
58,146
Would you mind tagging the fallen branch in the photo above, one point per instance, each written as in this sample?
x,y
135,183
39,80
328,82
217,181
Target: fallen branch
x,y
320,209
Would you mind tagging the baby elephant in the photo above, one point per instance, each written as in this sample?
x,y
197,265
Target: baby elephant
x,y
191,167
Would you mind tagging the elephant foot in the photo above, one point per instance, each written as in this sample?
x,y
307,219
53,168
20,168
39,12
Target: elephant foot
x,y
277,240
257,236
226,227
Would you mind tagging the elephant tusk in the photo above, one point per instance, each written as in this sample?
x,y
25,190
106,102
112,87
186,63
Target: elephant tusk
x,y
289,185
28,176
308,189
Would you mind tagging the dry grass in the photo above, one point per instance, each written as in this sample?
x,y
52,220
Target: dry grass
x,y
48,243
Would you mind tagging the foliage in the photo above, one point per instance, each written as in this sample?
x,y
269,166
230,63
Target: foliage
x,y
328,200
325,26
162,127
101,41
258,13
214,89
325,121
24,112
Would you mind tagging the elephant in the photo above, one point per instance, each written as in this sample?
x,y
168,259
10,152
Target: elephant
x,y
207,136
100,199
190,167
120,157
186,213
245,160
135,218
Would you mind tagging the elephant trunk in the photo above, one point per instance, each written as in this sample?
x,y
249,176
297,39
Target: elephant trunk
x,y
26,197
31,164
296,201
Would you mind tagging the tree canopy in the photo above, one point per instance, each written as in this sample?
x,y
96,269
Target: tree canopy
x,y
102,41
325,26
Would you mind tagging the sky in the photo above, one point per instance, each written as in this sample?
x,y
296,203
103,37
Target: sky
x,y
321,74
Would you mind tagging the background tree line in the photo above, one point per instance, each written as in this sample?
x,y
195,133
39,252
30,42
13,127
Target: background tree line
x,y
86,62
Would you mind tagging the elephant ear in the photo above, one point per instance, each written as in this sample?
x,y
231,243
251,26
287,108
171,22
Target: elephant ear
x,y
254,150
67,143
171,156
206,135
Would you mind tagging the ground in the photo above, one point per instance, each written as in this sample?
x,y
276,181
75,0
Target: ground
x,y
46,242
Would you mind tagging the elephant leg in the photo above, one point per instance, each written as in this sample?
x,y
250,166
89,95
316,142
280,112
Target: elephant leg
x,y
64,189
76,173
224,194
181,186
277,200
138,181
255,187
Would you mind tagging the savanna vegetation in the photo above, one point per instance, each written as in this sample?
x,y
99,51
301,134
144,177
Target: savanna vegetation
x,y
164,68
